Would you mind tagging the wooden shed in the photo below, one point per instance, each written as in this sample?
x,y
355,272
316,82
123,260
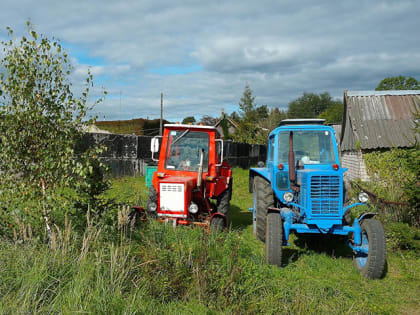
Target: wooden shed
x,y
376,120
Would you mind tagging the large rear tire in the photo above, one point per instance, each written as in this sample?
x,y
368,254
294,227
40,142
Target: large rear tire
x,y
372,264
218,224
223,200
274,239
263,199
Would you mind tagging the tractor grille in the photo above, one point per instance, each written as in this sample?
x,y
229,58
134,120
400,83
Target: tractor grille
x,y
171,187
171,197
325,195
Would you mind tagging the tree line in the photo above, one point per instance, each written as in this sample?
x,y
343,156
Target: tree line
x,y
254,122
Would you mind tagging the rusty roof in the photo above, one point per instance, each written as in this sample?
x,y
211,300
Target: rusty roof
x,y
379,119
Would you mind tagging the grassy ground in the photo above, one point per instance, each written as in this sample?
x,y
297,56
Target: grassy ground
x,y
157,269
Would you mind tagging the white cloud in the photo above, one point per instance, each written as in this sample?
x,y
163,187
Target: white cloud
x,y
281,48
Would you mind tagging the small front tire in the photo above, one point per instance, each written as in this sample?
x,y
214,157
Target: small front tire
x,y
217,224
372,264
151,198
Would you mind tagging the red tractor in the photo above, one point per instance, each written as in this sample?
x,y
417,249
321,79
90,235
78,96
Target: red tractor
x,y
190,174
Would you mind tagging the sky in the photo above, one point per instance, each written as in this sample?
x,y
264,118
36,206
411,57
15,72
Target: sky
x,y
201,54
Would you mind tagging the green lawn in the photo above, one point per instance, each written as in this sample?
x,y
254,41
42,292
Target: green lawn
x,y
157,269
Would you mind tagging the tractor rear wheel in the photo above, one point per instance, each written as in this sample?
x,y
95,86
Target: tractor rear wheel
x,y
274,239
371,263
223,200
263,199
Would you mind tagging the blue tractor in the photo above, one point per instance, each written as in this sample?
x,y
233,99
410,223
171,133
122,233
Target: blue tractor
x,y
301,191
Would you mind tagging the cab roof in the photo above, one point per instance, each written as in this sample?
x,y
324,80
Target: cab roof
x,y
302,124
302,121
186,126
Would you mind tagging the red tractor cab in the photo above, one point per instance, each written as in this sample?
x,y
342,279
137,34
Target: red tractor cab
x,y
192,183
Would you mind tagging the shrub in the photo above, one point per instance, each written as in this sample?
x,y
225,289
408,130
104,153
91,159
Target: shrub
x,y
402,236
395,177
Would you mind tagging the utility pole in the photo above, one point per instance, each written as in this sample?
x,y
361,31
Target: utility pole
x,y
120,107
161,113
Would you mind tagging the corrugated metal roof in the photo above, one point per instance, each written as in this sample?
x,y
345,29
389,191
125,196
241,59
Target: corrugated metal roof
x,y
379,119
379,93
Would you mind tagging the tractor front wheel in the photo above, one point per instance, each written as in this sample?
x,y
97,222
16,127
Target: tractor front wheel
x,y
217,224
263,199
371,260
151,198
274,239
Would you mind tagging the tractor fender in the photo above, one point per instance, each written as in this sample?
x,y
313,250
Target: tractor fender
x,y
366,215
263,172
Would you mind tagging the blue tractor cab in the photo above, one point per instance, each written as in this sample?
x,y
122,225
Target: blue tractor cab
x,y
300,190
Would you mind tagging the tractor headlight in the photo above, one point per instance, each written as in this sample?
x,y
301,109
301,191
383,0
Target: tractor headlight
x,y
152,206
288,196
193,208
363,197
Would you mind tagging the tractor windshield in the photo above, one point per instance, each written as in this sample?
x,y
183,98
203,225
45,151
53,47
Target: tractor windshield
x,y
309,146
184,150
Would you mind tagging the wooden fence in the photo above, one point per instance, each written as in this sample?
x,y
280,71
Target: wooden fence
x,y
127,155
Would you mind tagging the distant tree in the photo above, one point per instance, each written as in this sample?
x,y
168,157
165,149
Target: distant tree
x,y
189,119
250,119
276,115
235,116
208,120
247,105
310,105
398,83
333,114
262,112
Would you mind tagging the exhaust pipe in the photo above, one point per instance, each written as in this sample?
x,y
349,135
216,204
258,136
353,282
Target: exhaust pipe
x,y
200,169
292,173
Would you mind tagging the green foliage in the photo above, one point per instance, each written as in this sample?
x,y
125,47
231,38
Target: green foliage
x,y
311,105
189,119
333,114
395,174
389,171
398,83
40,124
250,120
158,269
401,236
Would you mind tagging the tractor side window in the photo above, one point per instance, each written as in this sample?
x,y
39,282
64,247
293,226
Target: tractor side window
x,y
283,147
218,152
184,150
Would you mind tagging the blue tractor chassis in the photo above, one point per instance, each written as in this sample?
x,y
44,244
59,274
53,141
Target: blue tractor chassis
x,y
309,197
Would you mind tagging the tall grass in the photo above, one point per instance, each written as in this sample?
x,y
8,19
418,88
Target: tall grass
x,y
156,269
